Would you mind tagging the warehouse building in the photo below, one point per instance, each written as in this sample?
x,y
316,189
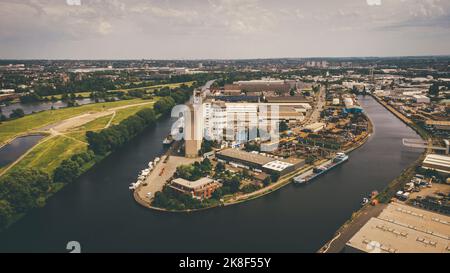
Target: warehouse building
x,y
260,162
440,163
200,189
439,124
401,229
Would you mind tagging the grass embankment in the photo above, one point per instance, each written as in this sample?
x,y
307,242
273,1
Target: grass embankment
x,y
48,155
10,129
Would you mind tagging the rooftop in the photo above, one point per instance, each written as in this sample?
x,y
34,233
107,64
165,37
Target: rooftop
x,y
193,184
439,161
401,228
246,156
277,165
437,122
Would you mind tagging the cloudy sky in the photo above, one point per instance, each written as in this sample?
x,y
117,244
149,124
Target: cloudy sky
x,y
202,29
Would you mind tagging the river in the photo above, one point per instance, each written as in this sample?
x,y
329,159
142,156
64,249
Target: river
x,y
99,212
34,107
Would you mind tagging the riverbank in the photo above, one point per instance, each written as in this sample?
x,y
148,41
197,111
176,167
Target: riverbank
x,y
283,181
303,218
61,162
366,212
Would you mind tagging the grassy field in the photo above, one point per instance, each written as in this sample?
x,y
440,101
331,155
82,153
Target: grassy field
x,y
83,94
47,155
9,129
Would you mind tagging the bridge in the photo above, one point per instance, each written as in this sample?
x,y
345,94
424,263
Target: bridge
x,y
422,144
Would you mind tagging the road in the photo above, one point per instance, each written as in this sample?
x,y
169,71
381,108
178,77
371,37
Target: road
x,y
348,230
320,103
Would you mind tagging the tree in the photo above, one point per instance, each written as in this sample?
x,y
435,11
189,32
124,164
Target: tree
x,y
234,183
6,213
67,172
17,113
434,89
164,105
3,118
292,92
207,146
267,181
283,126
220,167
23,187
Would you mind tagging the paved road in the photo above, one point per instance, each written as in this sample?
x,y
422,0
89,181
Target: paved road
x,y
320,103
162,172
346,232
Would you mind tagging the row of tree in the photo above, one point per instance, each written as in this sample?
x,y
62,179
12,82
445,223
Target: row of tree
x,y
72,168
109,139
21,191
194,171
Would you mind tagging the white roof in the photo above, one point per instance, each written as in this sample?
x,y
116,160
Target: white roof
x,y
438,160
193,184
277,165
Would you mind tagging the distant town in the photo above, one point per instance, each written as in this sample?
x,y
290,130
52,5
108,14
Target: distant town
x,y
240,130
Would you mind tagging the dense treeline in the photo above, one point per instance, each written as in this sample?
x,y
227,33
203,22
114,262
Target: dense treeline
x,y
21,191
71,168
194,171
108,140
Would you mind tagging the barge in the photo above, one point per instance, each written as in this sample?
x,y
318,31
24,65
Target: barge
x,y
336,161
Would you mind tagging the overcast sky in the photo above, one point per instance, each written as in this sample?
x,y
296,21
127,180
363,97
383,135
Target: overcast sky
x,y
203,29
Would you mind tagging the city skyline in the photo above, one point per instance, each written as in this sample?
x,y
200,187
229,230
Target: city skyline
x,y
226,29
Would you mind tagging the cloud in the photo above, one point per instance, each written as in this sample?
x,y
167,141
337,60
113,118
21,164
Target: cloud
x,y
374,2
104,28
215,27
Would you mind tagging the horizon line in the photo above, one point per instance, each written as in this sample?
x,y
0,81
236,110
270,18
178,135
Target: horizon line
x,y
223,59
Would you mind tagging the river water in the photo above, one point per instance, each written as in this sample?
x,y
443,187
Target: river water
x,y
16,148
29,108
99,212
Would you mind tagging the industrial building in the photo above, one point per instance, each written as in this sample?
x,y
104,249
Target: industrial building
x,y
401,229
240,116
421,99
315,127
439,124
201,189
193,131
440,163
264,85
254,160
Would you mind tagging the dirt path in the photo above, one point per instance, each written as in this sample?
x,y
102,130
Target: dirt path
x,y
80,120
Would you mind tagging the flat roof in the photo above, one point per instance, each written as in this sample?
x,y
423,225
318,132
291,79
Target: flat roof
x,y
437,122
277,165
439,161
315,125
246,156
193,184
401,228
287,99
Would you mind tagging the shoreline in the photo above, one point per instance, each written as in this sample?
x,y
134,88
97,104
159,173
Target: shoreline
x,y
283,181
368,208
